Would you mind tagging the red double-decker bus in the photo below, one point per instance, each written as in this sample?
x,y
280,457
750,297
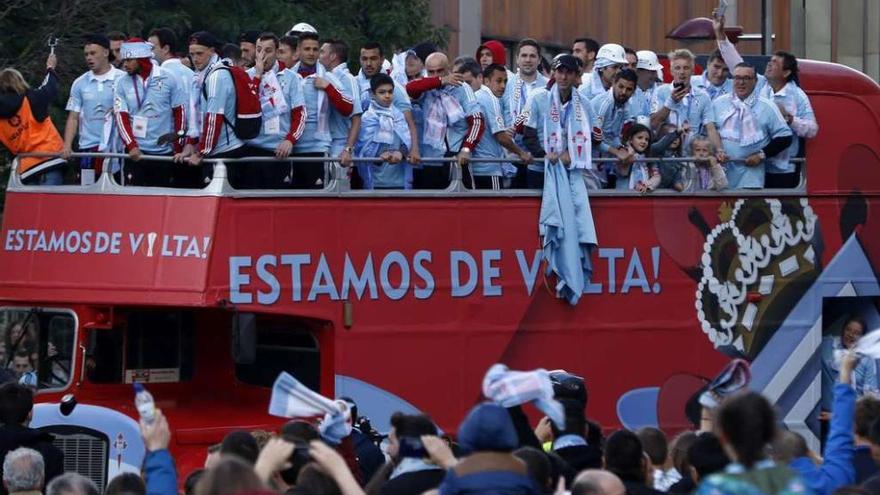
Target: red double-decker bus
x,y
402,300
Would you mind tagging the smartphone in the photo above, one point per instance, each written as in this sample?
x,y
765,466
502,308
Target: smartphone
x,y
678,85
722,9
412,447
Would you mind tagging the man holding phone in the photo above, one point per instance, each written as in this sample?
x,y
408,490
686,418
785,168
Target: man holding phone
x,y
683,105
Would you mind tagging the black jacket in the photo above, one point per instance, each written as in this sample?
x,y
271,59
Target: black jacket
x,y
415,482
40,99
15,436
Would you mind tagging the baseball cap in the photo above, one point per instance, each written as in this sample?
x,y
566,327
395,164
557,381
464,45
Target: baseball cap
x,y
303,27
566,61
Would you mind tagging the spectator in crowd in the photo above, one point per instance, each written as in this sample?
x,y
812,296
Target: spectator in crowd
x,y
625,458
117,38
654,442
164,51
491,52
570,441
369,456
867,412
16,408
343,129
597,482
240,444
832,350
678,453
72,484
872,484
412,469
384,134
127,484
680,103
751,129
25,126
706,456
610,59
453,124
488,437
746,425
322,95
585,49
247,43
648,69
715,80
545,137
230,476
539,467
283,107
150,109
496,140
836,469
160,476
23,471
288,51
90,106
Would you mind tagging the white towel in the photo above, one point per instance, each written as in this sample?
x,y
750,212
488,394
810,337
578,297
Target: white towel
x,y
578,132
511,388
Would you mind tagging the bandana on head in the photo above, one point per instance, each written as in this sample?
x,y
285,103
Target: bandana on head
x,y
136,49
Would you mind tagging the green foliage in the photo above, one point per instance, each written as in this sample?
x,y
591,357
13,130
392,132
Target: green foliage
x,y
27,24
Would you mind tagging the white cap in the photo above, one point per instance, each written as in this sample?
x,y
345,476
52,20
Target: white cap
x,y
647,60
612,53
303,27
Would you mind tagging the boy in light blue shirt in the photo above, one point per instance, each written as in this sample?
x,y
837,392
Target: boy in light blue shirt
x,y
384,134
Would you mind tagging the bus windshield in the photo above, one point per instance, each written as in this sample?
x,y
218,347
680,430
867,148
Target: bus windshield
x,y
37,346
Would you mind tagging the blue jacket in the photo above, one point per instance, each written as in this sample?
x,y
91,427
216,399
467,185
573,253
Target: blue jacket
x,y
159,473
837,469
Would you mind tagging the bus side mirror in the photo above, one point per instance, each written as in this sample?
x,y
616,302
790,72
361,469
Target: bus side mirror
x,y
244,338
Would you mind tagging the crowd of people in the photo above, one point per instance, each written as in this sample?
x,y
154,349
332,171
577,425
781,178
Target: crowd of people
x,y
735,447
399,124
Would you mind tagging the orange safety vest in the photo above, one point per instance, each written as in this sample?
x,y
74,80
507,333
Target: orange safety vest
x,y
22,133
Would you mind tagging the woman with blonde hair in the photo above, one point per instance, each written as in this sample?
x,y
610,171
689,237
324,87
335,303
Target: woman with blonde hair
x,y
25,126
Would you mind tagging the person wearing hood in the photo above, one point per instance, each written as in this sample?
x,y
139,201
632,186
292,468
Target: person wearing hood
x,y
25,126
487,435
491,52
16,411
150,114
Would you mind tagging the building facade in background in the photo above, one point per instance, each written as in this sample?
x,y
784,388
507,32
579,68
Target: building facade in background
x,y
843,31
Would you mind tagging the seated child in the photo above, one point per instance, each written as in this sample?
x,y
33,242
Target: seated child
x,y
673,173
710,174
384,134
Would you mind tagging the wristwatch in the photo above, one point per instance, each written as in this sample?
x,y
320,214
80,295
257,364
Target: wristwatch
x,y
762,155
349,149
465,149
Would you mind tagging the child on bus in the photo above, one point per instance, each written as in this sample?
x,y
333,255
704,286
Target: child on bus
x,y
709,174
638,175
384,134
672,173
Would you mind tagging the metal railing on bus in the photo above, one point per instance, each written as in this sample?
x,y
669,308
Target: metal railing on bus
x,y
339,184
